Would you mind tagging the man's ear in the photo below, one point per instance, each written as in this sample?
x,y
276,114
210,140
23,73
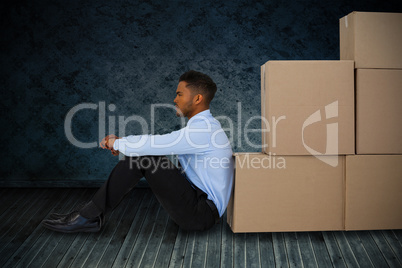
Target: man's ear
x,y
198,99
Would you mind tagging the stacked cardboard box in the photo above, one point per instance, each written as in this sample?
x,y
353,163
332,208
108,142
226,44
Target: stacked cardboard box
x,y
286,193
373,192
372,39
374,42
374,175
308,107
308,177
297,183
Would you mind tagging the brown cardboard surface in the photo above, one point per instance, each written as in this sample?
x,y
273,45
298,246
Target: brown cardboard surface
x,y
378,111
373,192
294,92
372,39
290,193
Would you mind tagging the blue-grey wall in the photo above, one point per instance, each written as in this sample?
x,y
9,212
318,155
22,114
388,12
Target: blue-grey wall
x,y
58,54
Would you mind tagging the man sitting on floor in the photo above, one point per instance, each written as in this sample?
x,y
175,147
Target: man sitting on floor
x,y
195,195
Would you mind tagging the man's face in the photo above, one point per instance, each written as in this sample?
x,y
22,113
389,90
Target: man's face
x,y
184,100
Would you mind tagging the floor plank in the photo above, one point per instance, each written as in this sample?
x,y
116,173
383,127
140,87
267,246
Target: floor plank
x,y
133,234
140,233
386,250
28,243
155,239
333,248
167,246
15,215
346,249
199,252
266,250
373,252
123,228
76,245
306,250
104,240
96,243
9,197
226,244
358,249
27,222
398,234
394,243
73,250
320,250
179,249
252,250
239,250
139,248
214,245
292,249
44,246
281,258
188,256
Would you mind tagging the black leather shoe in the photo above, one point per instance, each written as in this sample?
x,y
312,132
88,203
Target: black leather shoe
x,y
74,223
57,216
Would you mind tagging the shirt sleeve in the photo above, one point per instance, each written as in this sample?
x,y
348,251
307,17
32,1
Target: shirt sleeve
x,y
184,141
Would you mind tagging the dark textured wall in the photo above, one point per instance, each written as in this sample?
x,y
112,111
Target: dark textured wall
x,y
57,54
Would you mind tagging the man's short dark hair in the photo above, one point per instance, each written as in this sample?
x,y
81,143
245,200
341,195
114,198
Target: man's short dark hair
x,y
200,83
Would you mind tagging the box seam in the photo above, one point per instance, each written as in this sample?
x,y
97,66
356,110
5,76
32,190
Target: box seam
x,y
344,191
263,105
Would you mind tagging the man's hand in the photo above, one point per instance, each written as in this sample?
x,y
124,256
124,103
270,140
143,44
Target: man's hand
x,y
114,152
107,143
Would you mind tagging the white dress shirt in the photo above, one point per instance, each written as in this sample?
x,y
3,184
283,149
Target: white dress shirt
x,y
203,150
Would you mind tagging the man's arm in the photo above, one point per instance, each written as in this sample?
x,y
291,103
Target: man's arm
x,y
184,141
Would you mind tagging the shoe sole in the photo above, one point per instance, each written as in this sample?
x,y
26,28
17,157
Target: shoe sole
x,y
70,231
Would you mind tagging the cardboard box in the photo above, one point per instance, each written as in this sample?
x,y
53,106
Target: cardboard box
x,y
378,111
286,194
373,192
371,39
308,107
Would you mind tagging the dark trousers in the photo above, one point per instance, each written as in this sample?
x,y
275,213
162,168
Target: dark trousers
x,y
187,205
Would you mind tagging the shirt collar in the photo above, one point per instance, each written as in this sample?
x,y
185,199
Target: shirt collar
x,y
204,113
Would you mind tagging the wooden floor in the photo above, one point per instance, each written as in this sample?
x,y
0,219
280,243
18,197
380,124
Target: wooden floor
x,y
139,233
